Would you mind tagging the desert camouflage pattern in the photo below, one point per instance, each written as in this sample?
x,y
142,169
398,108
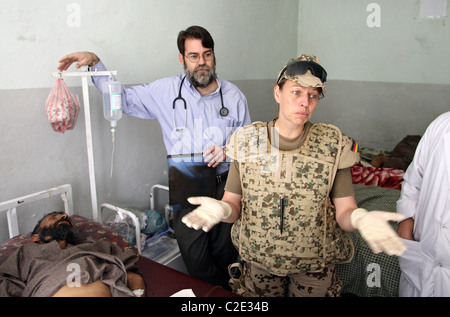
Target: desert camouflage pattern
x,y
310,238
255,282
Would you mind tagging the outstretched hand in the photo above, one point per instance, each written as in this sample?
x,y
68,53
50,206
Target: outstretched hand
x,y
210,212
83,59
374,227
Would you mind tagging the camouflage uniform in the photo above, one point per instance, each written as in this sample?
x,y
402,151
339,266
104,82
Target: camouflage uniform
x,y
306,237
303,284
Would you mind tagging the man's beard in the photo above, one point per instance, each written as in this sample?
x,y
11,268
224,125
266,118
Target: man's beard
x,y
201,79
58,232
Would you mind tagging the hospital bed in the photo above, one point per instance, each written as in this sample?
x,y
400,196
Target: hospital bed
x,y
160,280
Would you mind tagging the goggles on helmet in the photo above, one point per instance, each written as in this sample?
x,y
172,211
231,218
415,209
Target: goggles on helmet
x,y
301,67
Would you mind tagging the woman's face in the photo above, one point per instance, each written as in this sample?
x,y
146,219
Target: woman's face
x,y
297,103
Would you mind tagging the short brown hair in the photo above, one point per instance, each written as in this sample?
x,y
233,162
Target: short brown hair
x,y
196,32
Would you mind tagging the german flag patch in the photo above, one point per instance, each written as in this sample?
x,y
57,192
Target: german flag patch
x,y
355,147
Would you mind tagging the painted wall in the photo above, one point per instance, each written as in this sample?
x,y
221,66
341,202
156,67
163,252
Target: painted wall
x,y
387,66
400,48
138,37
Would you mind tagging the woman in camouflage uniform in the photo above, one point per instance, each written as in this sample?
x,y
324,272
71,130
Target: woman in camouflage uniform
x,y
290,196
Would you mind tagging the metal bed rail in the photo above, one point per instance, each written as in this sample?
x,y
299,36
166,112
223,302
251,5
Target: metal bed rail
x,y
10,206
122,214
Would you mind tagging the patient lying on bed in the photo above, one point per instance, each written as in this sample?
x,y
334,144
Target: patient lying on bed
x,y
56,264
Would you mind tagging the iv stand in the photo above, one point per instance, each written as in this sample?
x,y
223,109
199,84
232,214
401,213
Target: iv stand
x,y
87,118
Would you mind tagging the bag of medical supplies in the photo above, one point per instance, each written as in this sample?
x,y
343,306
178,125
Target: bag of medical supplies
x,y
62,107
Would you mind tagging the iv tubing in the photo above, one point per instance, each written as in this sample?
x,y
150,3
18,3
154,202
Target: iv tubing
x,y
112,153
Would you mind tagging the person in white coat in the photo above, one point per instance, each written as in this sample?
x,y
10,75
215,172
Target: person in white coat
x,y
425,202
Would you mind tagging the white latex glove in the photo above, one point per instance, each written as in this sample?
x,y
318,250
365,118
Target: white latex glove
x,y
376,230
210,212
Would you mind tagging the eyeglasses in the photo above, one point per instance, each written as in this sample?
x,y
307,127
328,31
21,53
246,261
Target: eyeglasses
x,y
301,67
194,57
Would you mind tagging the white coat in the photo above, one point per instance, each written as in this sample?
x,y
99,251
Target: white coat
x,y
425,196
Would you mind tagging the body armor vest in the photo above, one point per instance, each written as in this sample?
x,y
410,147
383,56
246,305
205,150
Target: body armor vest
x,y
288,223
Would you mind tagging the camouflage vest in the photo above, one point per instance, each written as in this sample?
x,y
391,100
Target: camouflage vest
x,y
305,236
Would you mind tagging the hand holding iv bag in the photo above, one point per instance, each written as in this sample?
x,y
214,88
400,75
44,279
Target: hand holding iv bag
x,y
112,101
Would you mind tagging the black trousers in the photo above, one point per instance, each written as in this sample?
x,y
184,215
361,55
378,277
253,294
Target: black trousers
x,y
206,254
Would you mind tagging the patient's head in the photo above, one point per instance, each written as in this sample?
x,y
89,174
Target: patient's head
x,y
54,226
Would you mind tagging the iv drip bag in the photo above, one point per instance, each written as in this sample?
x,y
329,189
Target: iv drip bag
x,y
112,101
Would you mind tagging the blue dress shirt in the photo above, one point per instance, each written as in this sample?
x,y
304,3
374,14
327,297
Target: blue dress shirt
x,y
205,126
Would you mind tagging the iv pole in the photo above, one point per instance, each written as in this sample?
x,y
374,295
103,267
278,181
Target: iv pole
x,y
87,118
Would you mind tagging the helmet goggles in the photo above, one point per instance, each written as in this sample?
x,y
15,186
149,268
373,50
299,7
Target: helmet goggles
x,y
300,68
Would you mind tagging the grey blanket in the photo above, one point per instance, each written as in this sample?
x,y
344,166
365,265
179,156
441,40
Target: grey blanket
x,y
42,269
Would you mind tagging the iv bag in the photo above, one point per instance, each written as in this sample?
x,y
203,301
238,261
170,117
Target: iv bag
x,y
112,108
112,101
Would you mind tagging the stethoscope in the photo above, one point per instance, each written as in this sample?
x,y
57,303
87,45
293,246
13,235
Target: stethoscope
x,y
223,111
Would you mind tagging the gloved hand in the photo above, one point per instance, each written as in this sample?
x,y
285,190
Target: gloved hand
x,y
376,230
210,212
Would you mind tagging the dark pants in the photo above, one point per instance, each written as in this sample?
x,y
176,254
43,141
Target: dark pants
x,y
206,254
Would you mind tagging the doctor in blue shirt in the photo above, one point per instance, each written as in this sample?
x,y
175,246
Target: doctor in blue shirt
x,y
197,112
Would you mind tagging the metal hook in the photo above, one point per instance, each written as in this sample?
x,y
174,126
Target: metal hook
x,y
90,70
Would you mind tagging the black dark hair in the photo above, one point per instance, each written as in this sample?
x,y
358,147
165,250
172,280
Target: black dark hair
x,y
196,32
57,232
37,228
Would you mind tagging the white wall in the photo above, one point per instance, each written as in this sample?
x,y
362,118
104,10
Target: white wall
x,y
386,81
138,37
403,49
